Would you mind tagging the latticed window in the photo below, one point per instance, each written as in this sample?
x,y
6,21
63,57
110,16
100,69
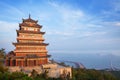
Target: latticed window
x,y
19,63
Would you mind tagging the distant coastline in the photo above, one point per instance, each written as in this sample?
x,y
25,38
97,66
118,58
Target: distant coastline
x,y
90,61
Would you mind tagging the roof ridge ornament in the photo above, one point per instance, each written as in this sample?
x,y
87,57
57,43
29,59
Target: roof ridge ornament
x,y
29,16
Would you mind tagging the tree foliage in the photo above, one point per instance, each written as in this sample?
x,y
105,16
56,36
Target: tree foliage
x,y
2,53
92,74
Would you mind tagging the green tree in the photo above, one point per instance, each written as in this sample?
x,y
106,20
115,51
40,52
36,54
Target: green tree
x,y
2,56
2,53
109,76
34,73
92,74
25,78
3,69
17,75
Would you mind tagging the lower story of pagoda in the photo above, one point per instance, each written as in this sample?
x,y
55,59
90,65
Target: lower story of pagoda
x,y
28,60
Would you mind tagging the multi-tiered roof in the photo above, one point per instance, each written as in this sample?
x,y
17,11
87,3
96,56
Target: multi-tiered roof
x,y
30,45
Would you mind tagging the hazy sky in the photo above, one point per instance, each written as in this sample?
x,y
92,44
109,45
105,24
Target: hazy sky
x,y
71,26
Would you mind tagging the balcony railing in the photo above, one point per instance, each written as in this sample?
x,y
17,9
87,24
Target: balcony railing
x,y
30,38
30,51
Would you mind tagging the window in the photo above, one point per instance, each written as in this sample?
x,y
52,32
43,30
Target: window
x,y
31,29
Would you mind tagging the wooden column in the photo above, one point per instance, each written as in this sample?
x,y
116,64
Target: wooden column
x,y
10,62
28,62
16,62
36,62
46,60
25,62
21,62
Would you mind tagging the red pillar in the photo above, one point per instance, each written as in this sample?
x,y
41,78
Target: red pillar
x,y
27,62
36,62
16,62
46,60
21,62
10,62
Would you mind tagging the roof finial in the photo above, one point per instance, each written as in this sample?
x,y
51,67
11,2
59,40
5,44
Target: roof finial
x,y
29,16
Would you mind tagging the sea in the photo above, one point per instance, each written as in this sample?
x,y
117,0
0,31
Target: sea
x,y
90,61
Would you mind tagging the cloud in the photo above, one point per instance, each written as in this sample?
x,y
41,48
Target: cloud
x,y
8,34
78,24
59,33
9,11
113,13
89,34
117,24
116,5
7,26
68,13
100,52
72,19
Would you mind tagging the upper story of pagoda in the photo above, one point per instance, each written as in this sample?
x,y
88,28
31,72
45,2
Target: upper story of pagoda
x,y
30,20
29,31
30,25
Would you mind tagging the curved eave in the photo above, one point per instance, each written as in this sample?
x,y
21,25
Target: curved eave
x,y
22,31
31,39
40,44
26,57
27,25
30,20
38,57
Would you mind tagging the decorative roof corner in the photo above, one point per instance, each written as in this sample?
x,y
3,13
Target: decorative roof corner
x,y
30,19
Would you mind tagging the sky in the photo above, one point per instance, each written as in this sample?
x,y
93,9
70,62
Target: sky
x,y
71,26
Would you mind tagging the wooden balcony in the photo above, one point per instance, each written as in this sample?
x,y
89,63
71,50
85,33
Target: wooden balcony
x,y
31,51
29,38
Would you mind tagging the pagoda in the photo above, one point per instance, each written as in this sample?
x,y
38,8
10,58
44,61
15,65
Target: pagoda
x,y
30,49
